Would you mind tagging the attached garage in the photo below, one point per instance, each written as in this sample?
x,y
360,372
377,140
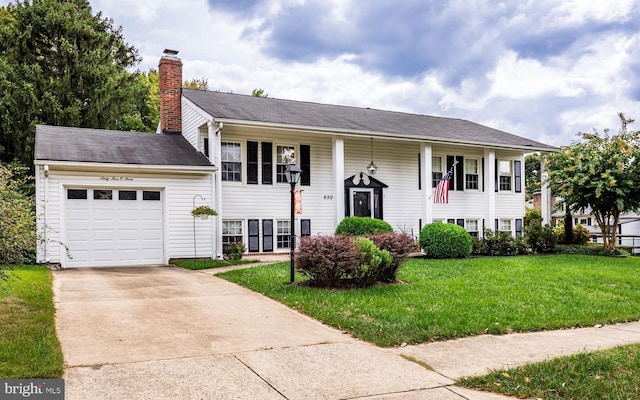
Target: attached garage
x,y
109,198
114,226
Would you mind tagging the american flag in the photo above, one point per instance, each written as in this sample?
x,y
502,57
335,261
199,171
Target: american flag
x,y
441,194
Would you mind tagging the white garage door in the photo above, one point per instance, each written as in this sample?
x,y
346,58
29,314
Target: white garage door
x,y
120,226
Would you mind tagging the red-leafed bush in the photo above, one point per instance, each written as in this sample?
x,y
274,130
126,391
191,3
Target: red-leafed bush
x,y
328,261
399,245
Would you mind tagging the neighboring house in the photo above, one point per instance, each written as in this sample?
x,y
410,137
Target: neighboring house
x,y
246,139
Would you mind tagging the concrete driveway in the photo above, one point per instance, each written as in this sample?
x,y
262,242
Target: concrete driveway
x,y
170,333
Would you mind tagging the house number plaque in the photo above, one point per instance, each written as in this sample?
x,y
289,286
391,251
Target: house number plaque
x,y
115,178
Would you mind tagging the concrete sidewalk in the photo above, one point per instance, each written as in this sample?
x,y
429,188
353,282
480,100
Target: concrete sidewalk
x,y
170,333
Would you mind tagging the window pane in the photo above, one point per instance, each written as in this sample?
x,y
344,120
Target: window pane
x,y
471,166
505,167
77,194
103,195
231,152
151,195
505,225
285,158
436,164
127,195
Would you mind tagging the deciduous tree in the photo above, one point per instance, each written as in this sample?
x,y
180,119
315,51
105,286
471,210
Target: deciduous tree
x,y
600,173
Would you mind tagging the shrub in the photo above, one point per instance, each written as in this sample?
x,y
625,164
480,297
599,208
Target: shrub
x,y
17,217
358,226
440,240
399,245
372,262
592,250
326,260
498,243
541,239
234,251
580,235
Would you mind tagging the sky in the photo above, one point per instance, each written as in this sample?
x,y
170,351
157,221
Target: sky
x,y
542,69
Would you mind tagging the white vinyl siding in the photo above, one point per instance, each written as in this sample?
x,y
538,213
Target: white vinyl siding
x,y
178,223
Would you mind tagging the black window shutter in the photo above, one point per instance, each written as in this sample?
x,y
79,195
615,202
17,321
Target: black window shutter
x,y
305,164
267,163
497,226
450,161
589,221
484,174
518,227
267,235
419,172
305,227
252,163
254,235
206,147
497,181
460,222
517,173
460,173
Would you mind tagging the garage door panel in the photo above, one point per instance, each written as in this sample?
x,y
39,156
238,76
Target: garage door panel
x,y
127,234
122,231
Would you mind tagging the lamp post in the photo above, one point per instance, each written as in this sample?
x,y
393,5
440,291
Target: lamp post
x,y
293,175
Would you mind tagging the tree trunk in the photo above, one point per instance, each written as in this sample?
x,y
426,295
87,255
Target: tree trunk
x,y
568,226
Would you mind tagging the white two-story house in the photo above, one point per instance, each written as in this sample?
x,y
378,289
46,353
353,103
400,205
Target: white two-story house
x,y
230,155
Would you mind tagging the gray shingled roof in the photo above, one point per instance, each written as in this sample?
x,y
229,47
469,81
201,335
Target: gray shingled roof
x,y
57,143
342,118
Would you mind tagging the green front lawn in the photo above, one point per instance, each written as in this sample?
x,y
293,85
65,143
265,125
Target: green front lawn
x,y
199,264
443,299
29,347
608,374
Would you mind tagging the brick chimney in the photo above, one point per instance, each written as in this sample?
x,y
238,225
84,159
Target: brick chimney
x,y
170,76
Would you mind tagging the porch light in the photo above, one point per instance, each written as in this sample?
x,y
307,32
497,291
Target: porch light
x,y
292,173
372,167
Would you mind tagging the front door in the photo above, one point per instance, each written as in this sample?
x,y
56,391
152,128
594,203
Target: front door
x,y
361,202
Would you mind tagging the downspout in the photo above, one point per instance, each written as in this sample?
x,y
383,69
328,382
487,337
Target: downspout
x,y
215,156
45,214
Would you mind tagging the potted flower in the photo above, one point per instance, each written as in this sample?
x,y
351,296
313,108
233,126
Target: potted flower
x,y
203,212
234,251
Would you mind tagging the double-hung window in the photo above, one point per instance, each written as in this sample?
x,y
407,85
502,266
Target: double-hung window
x,y
283,160
505,225
231,232
231,162
283,238
472,226
471,174
504,175
436,170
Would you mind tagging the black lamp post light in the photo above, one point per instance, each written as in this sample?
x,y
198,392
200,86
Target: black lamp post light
x,y
293,176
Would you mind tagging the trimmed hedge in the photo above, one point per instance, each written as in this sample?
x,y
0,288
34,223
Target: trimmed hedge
x,y
358,226
440,240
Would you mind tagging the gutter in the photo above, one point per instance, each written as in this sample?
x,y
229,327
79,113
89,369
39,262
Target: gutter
x,y
369,134
92,166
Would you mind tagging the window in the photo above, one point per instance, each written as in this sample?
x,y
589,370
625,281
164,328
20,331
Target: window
x,y
152,195
206,147
504,175
284,235
77,194
436,170
283,161
505,225
471,174
127,195
103,195
472,227
231,232
231,162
